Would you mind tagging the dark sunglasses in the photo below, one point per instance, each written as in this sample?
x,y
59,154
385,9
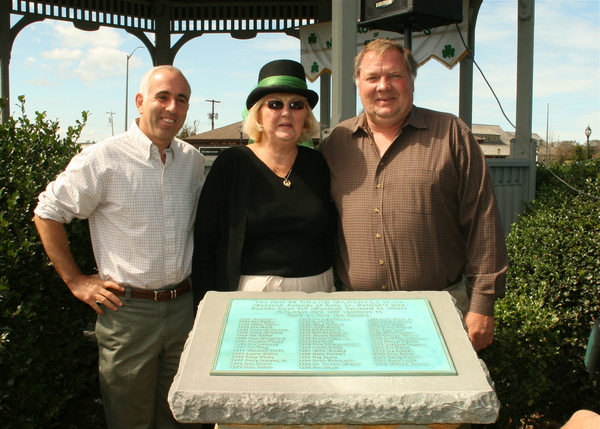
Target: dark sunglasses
x,y
278,104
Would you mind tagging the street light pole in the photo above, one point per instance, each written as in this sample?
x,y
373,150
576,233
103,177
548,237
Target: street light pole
x,y
127,84
588,133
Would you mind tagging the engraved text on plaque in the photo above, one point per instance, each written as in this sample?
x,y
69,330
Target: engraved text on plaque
x,y
331,337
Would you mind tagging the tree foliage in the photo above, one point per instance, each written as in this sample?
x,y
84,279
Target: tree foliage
x,y
565,151
44,362
188,130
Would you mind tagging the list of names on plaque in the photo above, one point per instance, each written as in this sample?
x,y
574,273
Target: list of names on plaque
x,y
329,336
257,344
325,345
395,342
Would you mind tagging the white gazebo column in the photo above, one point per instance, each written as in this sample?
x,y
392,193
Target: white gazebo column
x,y
343,34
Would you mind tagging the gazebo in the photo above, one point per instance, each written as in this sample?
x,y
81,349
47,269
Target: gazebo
x,y
242,19
166,20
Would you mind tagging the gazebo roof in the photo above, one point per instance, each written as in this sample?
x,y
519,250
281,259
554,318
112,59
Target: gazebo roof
x,y
188,19
242,18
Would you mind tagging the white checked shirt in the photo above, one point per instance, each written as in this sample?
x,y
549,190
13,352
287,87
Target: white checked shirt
x,y
141,212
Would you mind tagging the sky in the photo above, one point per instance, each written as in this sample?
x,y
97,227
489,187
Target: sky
x,y
64,71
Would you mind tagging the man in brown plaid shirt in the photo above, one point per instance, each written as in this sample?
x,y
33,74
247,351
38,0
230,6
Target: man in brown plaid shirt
x,y
415,198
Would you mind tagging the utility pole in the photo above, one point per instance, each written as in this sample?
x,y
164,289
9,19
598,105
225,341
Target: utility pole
x,y
212,116
111,122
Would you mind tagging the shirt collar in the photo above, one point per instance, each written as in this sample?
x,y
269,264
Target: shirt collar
x,y
360,122
142,143
415,119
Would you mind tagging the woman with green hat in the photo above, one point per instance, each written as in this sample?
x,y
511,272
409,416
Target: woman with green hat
x,y
265,219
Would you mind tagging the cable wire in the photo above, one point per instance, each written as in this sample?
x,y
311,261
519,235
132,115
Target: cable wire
x,y
509,121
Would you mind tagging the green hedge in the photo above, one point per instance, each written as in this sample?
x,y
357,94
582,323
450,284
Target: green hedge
x,y
553,296
44,359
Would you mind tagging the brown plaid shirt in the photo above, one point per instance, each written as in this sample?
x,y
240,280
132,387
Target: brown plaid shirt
x,y
421,216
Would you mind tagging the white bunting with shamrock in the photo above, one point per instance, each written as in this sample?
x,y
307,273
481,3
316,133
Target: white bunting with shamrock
x,y
442,43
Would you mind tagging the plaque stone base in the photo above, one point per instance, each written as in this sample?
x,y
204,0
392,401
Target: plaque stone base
x,y
255,377
432,426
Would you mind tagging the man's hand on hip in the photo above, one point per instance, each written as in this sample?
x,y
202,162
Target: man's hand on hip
x,y
96,292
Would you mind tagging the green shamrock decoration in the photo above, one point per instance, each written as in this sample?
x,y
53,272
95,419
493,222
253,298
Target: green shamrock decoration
x,y
312,39
448,51
314,68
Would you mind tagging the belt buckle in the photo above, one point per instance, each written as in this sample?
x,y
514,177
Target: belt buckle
x,y
172,291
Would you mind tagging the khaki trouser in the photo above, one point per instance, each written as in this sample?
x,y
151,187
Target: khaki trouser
x,y
458,291
139,348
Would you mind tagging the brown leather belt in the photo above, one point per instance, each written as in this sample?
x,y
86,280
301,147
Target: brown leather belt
x,y
159,295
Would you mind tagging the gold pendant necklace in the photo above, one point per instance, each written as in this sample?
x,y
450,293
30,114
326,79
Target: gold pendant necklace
x,y
286,179
265,157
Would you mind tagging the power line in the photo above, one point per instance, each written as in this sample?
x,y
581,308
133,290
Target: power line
x,y
510,122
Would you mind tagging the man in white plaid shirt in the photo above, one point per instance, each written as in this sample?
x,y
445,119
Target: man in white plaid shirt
x,y
139,191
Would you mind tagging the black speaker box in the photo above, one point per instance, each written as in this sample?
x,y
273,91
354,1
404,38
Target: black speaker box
x,y
396,15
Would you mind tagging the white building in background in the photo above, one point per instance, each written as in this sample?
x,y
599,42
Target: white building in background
x,y
495,142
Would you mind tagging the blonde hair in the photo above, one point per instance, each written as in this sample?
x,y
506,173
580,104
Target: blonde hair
x,y
255,130
380,47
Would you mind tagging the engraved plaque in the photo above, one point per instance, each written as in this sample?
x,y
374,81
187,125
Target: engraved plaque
x,y
358,358
331,337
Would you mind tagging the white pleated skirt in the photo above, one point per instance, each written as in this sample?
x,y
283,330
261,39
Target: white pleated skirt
x,y
320,283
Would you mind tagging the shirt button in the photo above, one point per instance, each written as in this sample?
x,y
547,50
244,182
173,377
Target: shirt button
x,y
381,262
378,186
376,210
377,235
384,287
